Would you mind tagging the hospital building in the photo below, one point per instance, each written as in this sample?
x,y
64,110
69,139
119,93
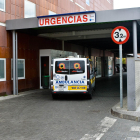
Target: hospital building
x,y
36,46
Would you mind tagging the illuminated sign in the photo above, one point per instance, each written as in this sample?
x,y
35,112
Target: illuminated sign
x,y
73,18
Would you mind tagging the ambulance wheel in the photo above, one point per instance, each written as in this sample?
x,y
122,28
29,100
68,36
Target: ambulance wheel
x,y
54,96
90,95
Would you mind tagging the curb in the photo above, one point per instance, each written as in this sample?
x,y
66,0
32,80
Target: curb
x,y
21,94
124,114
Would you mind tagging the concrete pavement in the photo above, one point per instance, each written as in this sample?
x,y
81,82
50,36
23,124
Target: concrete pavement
x,y
124,113
105,87
34,115
108,87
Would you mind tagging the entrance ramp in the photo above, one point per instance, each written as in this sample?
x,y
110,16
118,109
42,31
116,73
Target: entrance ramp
x,y
110,86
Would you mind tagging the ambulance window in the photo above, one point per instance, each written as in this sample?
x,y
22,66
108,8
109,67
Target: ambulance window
x,y
77,67
62,67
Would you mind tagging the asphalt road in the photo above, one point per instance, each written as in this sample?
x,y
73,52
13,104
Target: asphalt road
x,y
38,117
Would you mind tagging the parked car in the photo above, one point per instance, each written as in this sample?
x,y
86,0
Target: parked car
x,y
125,67
117,68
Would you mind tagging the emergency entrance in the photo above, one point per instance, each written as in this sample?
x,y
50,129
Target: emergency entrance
x,y
90,35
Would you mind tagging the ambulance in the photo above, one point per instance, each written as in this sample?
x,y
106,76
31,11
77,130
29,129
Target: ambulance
x,y
72,76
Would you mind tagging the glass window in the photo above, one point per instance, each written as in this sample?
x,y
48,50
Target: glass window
x,y
21,68
2,5
77,67
51,13
62,67
69,67
30,9
87,2
2,69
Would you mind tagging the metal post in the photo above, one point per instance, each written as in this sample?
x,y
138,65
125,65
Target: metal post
x,y
114,63
121,77
103,63
14,71
135,39
16,64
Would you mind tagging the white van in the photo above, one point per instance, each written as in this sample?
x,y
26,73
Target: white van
x,y
72,76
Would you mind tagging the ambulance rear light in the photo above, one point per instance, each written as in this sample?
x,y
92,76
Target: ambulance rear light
x,y
66,59
51,72
51,86
84,92
54,92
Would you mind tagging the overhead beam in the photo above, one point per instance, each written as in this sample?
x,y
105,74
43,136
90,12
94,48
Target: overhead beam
x,y
81,37
76,33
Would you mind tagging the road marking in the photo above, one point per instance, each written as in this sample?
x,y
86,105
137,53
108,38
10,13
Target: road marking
x,y
135,128
103,127
131,138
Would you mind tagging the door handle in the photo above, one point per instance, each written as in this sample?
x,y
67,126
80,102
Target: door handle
x,y
66,77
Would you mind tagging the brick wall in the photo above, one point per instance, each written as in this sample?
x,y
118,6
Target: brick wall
x,y
14,9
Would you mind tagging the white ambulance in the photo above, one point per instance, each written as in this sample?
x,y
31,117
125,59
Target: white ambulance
x,y
72,76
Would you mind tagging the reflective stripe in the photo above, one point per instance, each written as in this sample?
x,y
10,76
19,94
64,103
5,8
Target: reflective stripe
x,y
53,88
77,87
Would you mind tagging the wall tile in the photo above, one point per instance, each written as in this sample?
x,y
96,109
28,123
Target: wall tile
x,y
8,6
2,52
13,1
2,17
2,86
9,87
17,10
7,16
13,17
13,7
3,37
8,69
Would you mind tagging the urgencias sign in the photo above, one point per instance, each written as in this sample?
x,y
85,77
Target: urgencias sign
x,y
73,18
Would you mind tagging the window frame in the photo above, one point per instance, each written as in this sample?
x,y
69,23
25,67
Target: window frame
x,y
19,78
25,6
4,7
4,79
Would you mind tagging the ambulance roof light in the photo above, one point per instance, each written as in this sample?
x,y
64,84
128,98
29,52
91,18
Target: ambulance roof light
x,y
70,57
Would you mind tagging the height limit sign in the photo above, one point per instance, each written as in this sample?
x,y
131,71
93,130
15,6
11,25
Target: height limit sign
x,y
120,35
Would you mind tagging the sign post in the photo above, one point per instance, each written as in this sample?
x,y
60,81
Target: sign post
x,y
120,35
121,77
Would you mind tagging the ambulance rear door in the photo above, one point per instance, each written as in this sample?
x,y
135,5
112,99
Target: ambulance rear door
x,y
78,75
60,75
